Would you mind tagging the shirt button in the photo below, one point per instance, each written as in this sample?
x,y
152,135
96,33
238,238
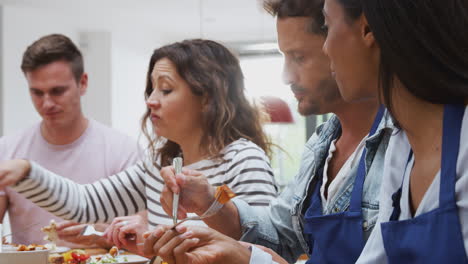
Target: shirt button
x,y
365,224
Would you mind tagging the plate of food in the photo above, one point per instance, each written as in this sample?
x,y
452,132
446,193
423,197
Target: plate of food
x,y
33,247
21,247
114,257
121,259
58,249
79,256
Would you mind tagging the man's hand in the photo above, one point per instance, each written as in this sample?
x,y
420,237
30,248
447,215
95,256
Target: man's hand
x,y
196,194
70,232
12,171
194,245
126,232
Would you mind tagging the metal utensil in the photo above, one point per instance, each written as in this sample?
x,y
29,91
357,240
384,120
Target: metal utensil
x,y
212,210
90,230
177,164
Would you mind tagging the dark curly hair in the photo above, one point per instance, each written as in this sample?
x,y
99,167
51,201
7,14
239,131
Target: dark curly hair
x,y
213,72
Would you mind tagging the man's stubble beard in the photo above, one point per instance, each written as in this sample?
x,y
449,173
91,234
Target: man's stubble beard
x,y
329,94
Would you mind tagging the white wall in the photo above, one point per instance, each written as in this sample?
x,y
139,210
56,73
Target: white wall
x,y
130,57
96,50
21,26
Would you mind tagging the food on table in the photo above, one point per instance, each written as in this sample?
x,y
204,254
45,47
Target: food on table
x,y
107,259
79,256
114,251
30,247
111,257
51,234
56,259
21,247
75,256
224,194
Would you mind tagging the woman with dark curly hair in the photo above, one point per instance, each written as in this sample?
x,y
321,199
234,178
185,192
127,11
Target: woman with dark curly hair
x,y
198,110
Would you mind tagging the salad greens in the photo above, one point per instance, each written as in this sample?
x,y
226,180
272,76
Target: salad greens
x,y
109,259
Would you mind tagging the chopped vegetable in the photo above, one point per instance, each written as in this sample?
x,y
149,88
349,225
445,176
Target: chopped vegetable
x,y
224,194
108,259
80,256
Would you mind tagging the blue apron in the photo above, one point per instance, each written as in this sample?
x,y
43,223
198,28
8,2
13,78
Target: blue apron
x,y
338,238
435,236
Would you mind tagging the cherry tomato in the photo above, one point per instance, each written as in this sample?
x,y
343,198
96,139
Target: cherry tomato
x,y
80,256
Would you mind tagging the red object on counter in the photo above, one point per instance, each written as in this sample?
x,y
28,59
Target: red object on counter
x,y
277,109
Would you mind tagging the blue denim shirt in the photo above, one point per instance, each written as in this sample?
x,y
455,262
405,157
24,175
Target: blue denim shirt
x,y
280,226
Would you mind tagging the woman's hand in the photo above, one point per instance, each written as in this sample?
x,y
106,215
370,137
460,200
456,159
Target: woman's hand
x,y
195,245
126,232
196,194
70,231
12,171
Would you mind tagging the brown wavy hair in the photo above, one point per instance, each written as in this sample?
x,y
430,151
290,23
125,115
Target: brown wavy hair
x,y
214,73
52,48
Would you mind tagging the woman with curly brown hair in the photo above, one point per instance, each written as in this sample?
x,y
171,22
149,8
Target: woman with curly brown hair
x,y
198,110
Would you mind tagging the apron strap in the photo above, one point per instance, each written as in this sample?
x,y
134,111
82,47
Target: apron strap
x,y
453,119
356,196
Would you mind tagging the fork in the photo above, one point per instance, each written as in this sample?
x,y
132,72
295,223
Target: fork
x,y
177,164
89,230
212,210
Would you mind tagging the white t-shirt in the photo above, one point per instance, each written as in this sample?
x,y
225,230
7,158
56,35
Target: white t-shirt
x,y
341,178
99,151
395,163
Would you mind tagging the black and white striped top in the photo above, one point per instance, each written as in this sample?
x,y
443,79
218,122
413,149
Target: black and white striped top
x,y
242,165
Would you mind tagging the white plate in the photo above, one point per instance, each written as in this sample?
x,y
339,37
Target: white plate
x,y
131,259
14,248
8,248
60,250
11,248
